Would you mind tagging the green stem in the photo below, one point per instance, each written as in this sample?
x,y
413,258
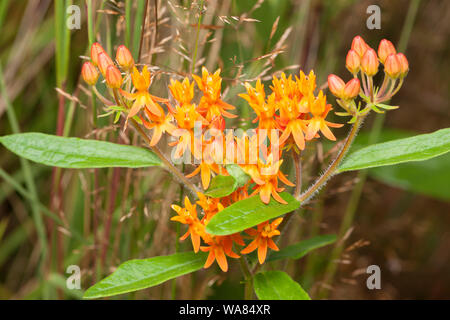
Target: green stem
x,y
308,194
194,57
248,279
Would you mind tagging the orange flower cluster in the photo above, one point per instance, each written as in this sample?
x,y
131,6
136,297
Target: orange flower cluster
x,y
363,61
288,116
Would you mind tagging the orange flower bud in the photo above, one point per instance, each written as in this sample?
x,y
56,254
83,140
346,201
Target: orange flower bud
x,y
404,64
124,58
351,89
113,77
392,66
104,61
96,49
89,73
353,61
369,63
336,85
385,49
359,45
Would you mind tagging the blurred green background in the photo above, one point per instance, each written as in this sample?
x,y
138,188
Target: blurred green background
x,y
395,217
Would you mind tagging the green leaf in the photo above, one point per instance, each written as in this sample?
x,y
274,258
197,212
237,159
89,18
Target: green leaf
x,y
417,148
249,212
136,275
277,285
221,186
302,248
237,173
77,153
430,177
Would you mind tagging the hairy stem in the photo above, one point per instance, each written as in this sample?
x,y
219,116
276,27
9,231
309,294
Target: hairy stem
x,y
307,195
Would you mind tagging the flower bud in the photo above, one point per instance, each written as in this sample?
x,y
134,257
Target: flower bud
x,y
385,49
404,65
113,77
96,49
353,61
104,61
351,89
89,73
336,85
124,58
369,63
392,66
359,45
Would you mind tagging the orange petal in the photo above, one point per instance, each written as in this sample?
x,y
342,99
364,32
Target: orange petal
x,y
157,133
195,241
221,259
193,173
184,236
272,245
313,127
262,251
298,137
326,131
250,248
283,179
277,197
206,176
134,109
210,260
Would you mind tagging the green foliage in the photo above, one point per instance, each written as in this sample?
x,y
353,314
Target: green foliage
x,y
417,148
429,177
237,173
77,153
136,275
249,212
277,285
302,248
221,186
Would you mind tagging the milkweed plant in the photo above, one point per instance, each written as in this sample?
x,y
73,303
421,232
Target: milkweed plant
x,y
236,205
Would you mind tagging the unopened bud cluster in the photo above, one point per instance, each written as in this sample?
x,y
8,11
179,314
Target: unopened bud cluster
x,y
363,62
101,60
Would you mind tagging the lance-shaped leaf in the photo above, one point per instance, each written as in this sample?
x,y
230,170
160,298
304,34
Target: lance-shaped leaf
x,y
135,275
277,285
249,212
417,148
302,248
221,186
77,153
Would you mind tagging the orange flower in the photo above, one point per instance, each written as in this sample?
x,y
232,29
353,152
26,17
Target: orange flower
x,y
188,216
159,125
291,120
205,169
209,205
265,110
142,98
263,238
183,92
211,106
320,109
270,173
